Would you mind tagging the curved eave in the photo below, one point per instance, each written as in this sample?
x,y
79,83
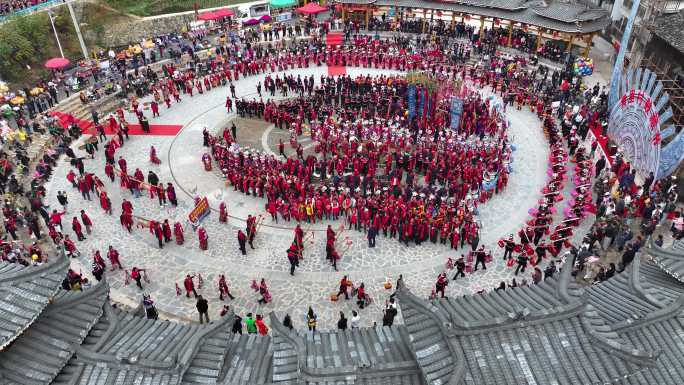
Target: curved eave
x,y
671,260
53,337
567,15
607,339
24,294
449,370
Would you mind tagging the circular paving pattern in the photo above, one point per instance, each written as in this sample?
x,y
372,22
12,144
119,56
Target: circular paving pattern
x,y
314,280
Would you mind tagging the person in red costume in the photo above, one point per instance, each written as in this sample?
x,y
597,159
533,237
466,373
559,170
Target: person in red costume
x,y
113,256
223,213
178,232
203,238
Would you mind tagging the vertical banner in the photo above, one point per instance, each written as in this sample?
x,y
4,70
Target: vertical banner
x,y
456,111
421,102
411,101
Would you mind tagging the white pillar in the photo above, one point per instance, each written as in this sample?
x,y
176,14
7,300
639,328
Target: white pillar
x,y
78,31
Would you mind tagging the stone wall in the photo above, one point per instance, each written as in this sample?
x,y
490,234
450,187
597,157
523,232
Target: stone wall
x,y
125,33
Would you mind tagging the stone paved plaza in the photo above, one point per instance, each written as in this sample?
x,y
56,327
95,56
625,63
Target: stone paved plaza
x,y
314,280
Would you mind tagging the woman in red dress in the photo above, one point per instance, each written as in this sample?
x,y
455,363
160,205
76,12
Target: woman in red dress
x,y
203,238
178,232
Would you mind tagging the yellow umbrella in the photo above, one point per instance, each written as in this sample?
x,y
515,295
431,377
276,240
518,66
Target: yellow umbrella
x,y
149,44
3,87
17,100
36,91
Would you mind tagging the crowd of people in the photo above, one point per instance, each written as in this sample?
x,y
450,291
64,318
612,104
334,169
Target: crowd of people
x,y
382,174
7,7
373,167
486,41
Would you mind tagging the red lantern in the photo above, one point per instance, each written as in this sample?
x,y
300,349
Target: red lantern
x,y
466,17
439,13
524,27
555,34
496,22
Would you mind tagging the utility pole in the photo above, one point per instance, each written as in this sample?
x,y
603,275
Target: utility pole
x,y
52,21
78,31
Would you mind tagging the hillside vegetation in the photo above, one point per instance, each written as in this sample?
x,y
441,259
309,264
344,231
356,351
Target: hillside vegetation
x,y
160,7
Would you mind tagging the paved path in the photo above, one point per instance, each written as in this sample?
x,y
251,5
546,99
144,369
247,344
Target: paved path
x,y
315,280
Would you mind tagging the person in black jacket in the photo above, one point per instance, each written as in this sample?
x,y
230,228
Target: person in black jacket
x,y
202,308
342,323
237,325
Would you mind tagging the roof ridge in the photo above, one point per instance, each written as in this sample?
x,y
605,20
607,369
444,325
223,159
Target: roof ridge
x,y
672,310
114,322
516,320
571,305
608,339
184,358
634,280
297,345
443,324
564,279
662,252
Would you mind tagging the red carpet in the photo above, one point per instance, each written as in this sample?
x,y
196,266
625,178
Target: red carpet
x,y
337,70
87,127
155,129
334,38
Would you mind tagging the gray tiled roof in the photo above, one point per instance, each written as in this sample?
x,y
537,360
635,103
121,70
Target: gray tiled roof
x,y
24,293
671,29
569,12
628,297
209,363
500,306
379,355
94,373
669,259
39,354
627,330
440,361
123,348
557,16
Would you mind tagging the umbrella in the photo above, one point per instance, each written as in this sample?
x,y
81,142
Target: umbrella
x,y
17,100
264,19
311,9
209,16
57,62
224,12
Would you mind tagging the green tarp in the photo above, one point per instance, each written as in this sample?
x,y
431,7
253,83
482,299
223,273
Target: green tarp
x,y
283,3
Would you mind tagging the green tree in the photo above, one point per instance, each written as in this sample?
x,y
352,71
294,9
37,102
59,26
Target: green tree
x,y
17,52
